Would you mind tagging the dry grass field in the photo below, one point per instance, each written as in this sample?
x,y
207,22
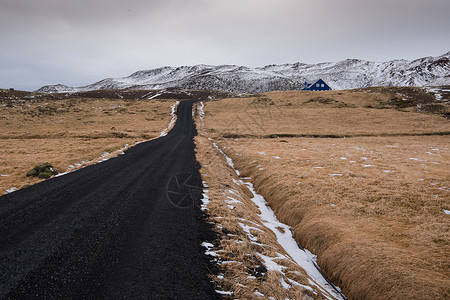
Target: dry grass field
x,y
373,205
324,114
360,176
70,131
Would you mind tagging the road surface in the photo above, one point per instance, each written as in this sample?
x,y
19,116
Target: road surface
x,y
127,228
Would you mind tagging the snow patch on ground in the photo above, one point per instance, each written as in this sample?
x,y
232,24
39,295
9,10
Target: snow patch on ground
x,y
258,294
13,189
224,293
247,229
229,161
104,157
437,93
205,198
284,284
208,247
270,262
201,112
231,200
416,159
431,153
172,121
156,95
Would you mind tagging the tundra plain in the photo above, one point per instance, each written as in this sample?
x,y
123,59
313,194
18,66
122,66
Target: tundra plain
x,y
70,131
360,176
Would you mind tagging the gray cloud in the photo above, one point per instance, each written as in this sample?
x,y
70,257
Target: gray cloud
x,y
77,42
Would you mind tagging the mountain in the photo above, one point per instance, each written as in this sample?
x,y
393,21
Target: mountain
x,y
58,88
346,74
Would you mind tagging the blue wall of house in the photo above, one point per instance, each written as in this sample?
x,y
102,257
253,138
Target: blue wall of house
x,y
320,85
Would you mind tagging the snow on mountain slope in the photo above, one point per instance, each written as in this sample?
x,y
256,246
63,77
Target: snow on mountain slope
x,y
57,88
346,74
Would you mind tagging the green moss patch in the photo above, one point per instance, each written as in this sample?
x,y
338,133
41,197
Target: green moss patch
x,y
43,170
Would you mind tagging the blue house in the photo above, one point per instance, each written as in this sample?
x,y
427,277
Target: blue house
x,y
318,85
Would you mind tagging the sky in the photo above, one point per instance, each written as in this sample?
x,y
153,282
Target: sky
x,y
79,42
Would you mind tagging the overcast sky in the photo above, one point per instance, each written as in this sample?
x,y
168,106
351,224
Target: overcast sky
x,y
78,42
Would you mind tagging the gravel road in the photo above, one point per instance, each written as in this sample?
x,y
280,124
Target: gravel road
x,y
127,228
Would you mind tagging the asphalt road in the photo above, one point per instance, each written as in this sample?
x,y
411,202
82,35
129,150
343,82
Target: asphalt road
x,y
127,228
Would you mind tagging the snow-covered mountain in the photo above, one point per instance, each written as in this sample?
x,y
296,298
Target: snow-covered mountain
x,y
346,74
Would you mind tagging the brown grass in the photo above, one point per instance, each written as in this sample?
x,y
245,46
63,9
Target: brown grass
x,y
67,131
332,114
238,257
370,207
363,223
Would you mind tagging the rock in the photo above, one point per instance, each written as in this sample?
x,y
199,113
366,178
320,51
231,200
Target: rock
x,y
43,170
259,271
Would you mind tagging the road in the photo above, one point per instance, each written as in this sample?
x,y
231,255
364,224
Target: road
x,y
127,228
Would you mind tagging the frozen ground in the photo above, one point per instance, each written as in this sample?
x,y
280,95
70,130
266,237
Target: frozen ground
x,y
292,252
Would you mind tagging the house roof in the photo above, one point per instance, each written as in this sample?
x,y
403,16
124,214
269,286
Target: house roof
x,y
313,82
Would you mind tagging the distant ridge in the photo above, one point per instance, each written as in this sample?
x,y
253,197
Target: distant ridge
x,y
346,74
